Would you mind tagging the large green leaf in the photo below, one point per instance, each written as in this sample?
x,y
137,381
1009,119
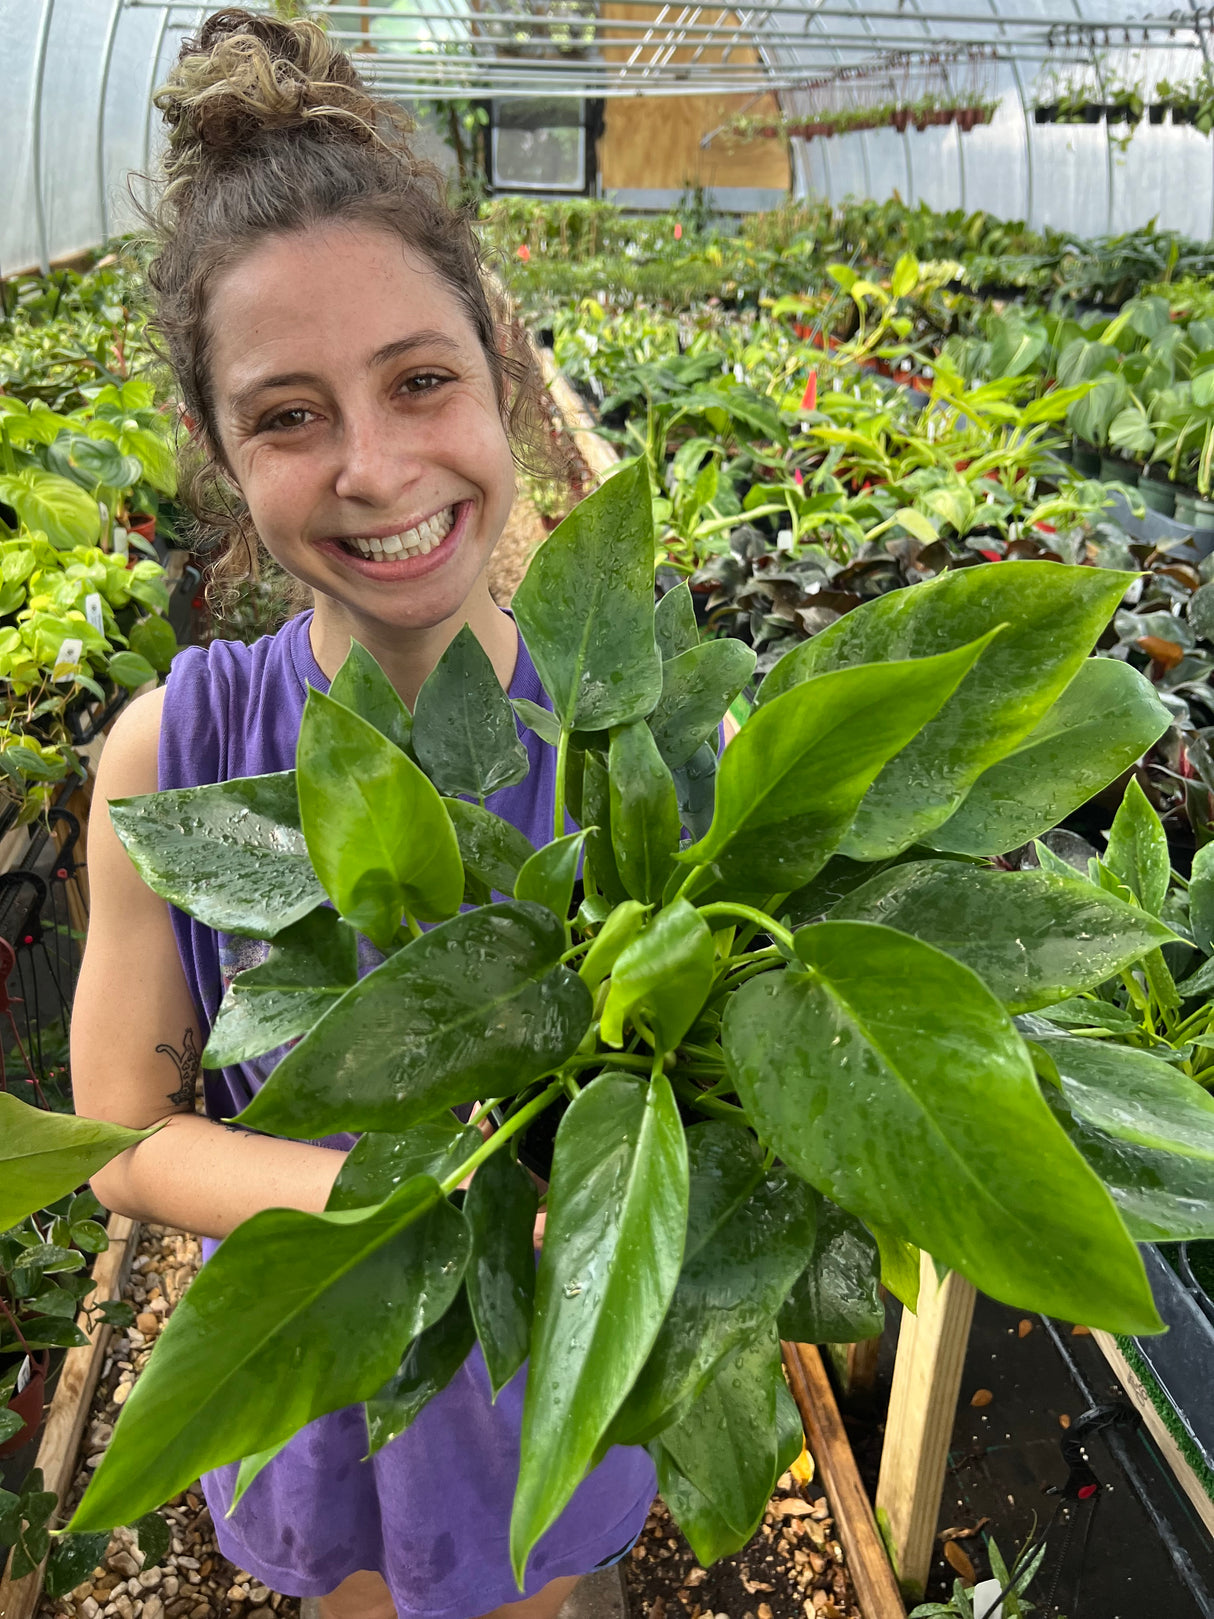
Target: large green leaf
x,y
1031,937
350,1291
613,1243
601,871
380,1161
479,1006
311,964
55,505
428,1365
362,685
725,1447
1105,719
1201,898
500,1209
837,1297
697,689
464,733
661,978
45,1155
674,622
547,877
730,1286
586,610
644,812
890,1077
493,851
695,786
377,833
1052,614
231,854
791,781
1138,850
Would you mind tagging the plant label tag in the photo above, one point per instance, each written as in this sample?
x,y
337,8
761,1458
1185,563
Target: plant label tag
x,y
92,611
987,1598
68,659
784,540
121,542
23,1376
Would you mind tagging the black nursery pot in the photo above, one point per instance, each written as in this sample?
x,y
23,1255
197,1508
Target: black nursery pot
x,y
1093,112
1046,115
1157,112
1196,1266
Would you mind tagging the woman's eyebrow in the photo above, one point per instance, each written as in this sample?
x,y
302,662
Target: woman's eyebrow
x,y
382,356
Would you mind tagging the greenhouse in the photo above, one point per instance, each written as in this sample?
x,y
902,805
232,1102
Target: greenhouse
x,y
606,810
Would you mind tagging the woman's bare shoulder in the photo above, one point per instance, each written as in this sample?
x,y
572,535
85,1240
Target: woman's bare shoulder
x,y
129,761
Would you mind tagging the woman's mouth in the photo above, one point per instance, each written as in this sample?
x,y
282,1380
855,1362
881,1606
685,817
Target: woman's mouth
x,y
405,555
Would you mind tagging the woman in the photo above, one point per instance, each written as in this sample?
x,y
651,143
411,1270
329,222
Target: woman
x,y
354,397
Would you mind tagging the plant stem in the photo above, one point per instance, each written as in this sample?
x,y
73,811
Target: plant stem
x,y
748,913
558,798
484,1110
415,931
499,1138
705,1104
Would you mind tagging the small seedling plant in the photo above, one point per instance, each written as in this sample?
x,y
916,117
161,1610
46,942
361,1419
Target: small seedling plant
x,y
772,1037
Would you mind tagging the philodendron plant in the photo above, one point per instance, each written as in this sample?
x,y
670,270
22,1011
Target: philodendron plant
x,y
774,1041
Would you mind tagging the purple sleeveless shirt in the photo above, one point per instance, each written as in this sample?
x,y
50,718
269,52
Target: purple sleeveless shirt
x,y
431,1510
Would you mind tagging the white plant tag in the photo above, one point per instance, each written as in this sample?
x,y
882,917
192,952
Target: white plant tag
x,y
23,1376
92,611
121,544
986,1599
70,652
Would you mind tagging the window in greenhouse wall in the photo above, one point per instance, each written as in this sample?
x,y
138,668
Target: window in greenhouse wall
x,y
539,145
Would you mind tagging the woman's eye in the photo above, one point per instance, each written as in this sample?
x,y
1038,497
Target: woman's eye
x,y
424,382
296,416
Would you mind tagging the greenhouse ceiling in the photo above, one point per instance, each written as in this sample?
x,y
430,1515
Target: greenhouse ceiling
x,y
79,76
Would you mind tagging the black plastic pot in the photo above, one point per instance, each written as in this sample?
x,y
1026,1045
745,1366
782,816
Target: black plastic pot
x,y
1196,1265
1157,112
1093,112
1182,1358
1115,113
1047,114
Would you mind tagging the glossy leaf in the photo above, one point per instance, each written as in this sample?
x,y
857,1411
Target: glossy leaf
x,y
891,1078
376,830
477,1007
585,608
674,622
379,1163
644,812
549,874
618,931
540,720
311,965
230,854
725,1446
1031,937
662,977
695,785
734,1283
600,865
697,689
464,733
791,781
1138,850
251,1467
1105,719
360,684
130,670
1052,614
429,1364
72,1561
613,1244
1134,1096
1201,899
500,1209
350,1290
493,852
901,1265
43,1156
837,1297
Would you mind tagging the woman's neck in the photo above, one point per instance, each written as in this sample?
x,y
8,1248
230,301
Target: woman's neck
x,y
408,656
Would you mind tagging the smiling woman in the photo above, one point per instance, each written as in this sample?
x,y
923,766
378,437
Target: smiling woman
x,y
356,402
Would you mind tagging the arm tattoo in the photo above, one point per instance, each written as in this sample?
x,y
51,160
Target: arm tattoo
x,y
188,1062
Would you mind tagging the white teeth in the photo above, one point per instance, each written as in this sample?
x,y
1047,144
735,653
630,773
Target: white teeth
x,y
414,542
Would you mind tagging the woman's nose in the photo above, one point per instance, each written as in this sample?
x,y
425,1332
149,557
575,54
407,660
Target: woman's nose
x,y
375,462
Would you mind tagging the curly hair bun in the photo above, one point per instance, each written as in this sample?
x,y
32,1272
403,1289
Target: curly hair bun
x,y
246,75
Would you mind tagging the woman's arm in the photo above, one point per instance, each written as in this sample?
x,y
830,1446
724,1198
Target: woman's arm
x,y
136,1040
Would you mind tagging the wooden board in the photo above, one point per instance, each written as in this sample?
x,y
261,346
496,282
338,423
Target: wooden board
x,y
1155,1426
70,1406
653,142
871,1575
922,1407
599,456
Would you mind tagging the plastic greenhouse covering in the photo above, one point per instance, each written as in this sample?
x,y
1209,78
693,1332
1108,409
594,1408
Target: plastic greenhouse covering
x,y
76,116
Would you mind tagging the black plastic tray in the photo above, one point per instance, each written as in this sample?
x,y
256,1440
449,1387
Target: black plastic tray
x,y
1182,1358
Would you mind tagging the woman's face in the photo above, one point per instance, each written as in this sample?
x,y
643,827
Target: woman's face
x,y
356,412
